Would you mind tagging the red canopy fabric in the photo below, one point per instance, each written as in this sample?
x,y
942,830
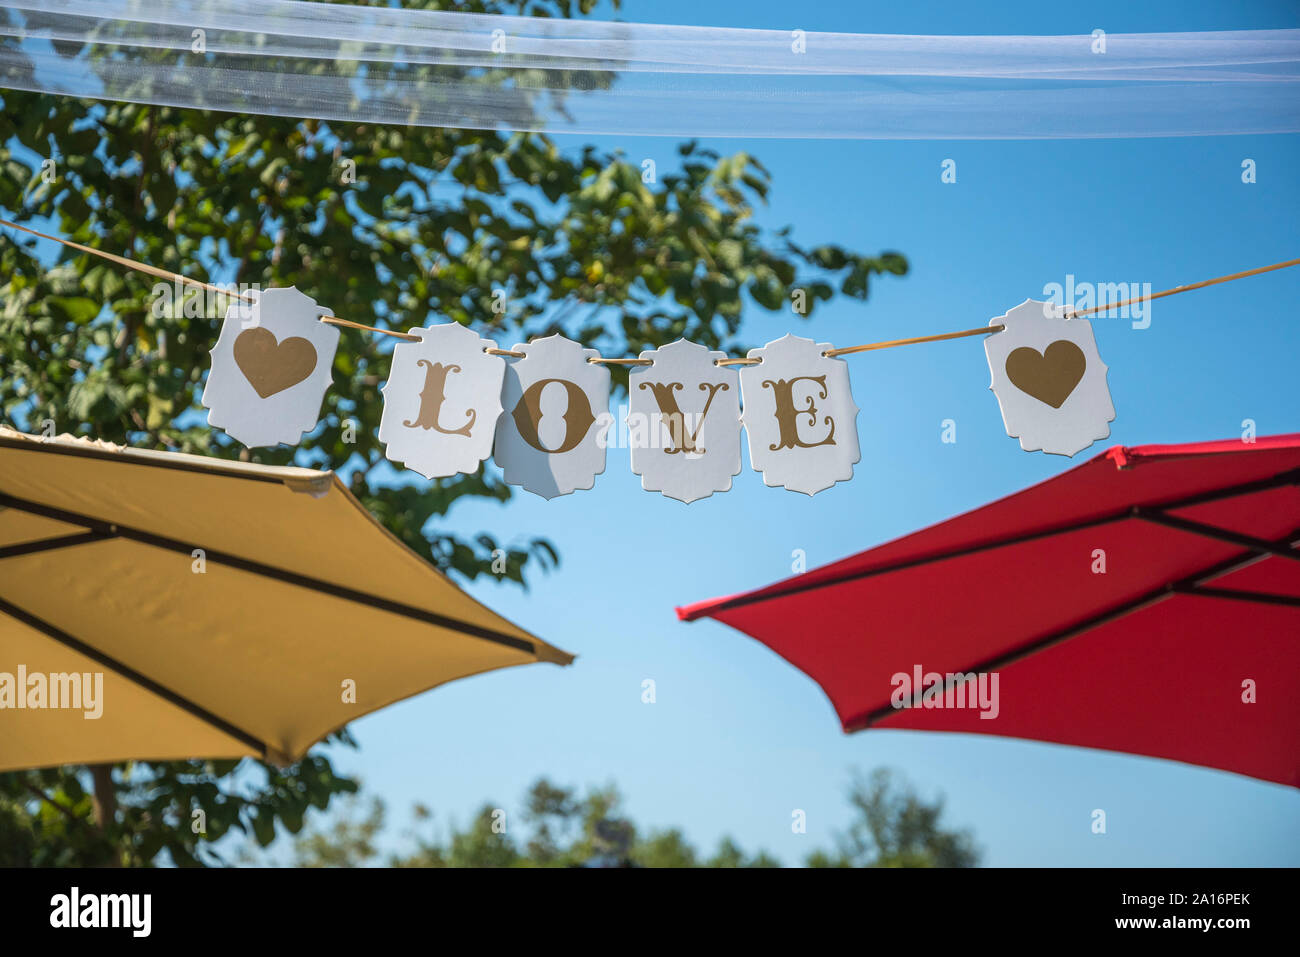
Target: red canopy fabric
x,y
1198,606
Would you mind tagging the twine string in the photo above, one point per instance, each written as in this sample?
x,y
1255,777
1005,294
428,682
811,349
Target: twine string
x,y
737,361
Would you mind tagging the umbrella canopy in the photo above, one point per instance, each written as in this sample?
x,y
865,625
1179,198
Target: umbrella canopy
x,y
1146,601
246,648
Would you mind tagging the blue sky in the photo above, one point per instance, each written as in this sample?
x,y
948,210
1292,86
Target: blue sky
x,y
738,738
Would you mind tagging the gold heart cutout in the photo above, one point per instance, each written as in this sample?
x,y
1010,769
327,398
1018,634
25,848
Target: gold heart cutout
x,y
1049,376
271,366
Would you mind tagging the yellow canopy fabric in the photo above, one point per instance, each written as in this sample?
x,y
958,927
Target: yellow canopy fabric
x,y
246,650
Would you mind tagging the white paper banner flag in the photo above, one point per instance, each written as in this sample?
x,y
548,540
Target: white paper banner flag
x,y
684,422
442,401
1049,379
800,415
550,438
270,368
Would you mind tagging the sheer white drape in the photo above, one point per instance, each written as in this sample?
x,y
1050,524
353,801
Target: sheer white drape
x,y
388,65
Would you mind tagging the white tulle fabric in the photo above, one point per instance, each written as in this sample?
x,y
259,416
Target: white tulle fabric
x,y
388,65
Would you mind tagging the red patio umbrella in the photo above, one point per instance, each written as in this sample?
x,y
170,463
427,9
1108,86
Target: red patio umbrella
x,y
1146,601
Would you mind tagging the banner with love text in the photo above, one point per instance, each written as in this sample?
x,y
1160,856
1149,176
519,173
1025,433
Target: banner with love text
x,y
541,408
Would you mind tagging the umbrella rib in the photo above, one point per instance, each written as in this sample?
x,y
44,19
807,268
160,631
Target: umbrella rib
x,y
49,448
336,591
1006,658
1233,594
1158,517
130,674
51,544
109,530
1289,477
1185,585
801,588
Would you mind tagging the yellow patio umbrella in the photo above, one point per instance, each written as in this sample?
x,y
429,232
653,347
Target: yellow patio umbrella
x,y
158,606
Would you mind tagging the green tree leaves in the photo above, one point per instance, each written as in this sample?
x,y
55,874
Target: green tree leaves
x,y
389,226
892,827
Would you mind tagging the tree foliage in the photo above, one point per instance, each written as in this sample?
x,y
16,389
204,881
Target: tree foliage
x,y
891,827
894,827
390,226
